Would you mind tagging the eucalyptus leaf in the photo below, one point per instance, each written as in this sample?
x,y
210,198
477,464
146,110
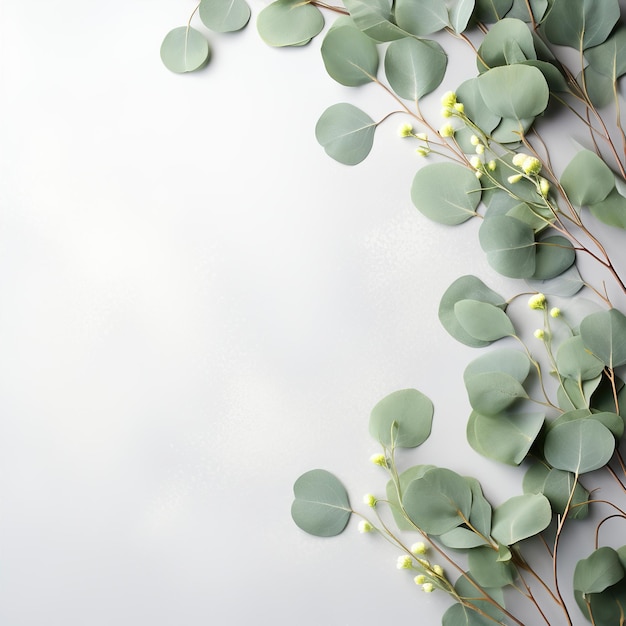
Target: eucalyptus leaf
x,y
557,83
600,89
460,615
604,335
510,131
510,246
421,18
554,255
574,361
558,489
496,45
587,179
475,108
350,57
346,133
438,501
580,24
289,23
506,438
466,288
483,321
520,517
520,9
609,58
490,393
490,11
607,607
437,199
374,18
403,418
184,49
611,210
414,67
572,395
566,285
515,91
461,538
601,569
404,480
513,362
321,506
488,571
460,14
579,446
224,16
492,606
481,512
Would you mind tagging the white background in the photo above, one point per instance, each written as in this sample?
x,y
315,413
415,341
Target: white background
x,y
196,306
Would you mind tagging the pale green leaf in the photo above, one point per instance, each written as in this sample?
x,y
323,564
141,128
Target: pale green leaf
x,y
289,23
184,49
601,569
587,179
224,16
604,335
350,57
510,246
421,18
483,321
520,517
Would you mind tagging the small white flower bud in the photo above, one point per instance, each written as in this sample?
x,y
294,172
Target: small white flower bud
x,y
404,562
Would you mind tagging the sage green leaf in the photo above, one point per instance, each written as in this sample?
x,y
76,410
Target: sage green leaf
x,y
510,131
465,589
558,488
468,92
520,517
555,79
587,179
601,569
460,14
579,446
566,285
374,18
289,23
604,334
438,200
482,320
580,24
404,480
609,58
495,49
574,361
607,607
350,57
438,501
515,91
611,210
465,288
611,420
403,418
492,392
538,218
603,398
224,16
506,438
346,133
414,67
490,11
554,255
571,396
599,88
460,615
321,506
481,513
488,571
184,49
519,10
513,362
461,538
421,18
509,245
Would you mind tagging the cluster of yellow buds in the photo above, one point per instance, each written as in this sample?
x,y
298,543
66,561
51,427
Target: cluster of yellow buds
x,y
450,108
531,168
406,130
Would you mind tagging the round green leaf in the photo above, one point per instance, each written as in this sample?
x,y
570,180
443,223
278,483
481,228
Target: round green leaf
x,y
579,446
569,283
483,321
554,255
374,18
609,58
346,133
604,335
460,615
289,23
404,479
461,538
421,18
468,92
506,437
350,57
466,288
490,393
403,418
581,24
598,571
496,47
515,363
587,179
460,14
510,246
414,67
224,16
321,506
438,501
611,210
519,10
184,49
574,361
465,589
515,91
488,570
520,517
558,487
439,200
490,11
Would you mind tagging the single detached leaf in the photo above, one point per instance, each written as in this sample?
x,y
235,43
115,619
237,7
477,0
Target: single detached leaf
x,y
604,335
438,501
289,23
598,571
515,91
579,446
466,288
224,16
184,49
587,179
346,133
403,417
414,67
350,57
520,517
483,321
439,200
321,506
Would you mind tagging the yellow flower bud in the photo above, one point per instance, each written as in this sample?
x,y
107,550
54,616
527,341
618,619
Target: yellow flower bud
x,y
531,165
369,499
379,459
365,526
544,187
420,579
428,587
406,130
447,130
419,548
514,179
537,302
539,333
555,312
519,158
448,99
459,107
404,562
491,166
